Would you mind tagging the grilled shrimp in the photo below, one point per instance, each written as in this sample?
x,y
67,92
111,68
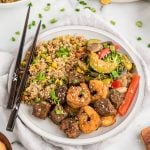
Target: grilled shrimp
x,y
89,120
78,96
98,90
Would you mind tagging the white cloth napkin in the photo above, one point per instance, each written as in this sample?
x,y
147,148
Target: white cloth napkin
x,y
31,141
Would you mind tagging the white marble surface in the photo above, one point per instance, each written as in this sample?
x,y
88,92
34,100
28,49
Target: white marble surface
x,y
125,15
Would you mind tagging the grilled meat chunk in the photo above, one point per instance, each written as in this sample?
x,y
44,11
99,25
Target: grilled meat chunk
x,y
58,114
70,127
61,93
104,107
116,98
41,110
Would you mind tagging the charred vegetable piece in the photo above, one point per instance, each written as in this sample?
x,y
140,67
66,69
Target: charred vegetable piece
x,y
108,120
126,62
116,98
70,127
100,65
94,45
82,66
61,93
58,114
129,95
41,110
145,135
104,107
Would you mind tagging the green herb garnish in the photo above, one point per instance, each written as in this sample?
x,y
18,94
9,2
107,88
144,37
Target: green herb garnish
x,y
41,76
112,48
59,111
115,74
77,9
62,9
62,52
13,39
30,4
148,45
139,24
113,22
90,8
47,7
82,2
33,23
37,100
17,33
43,26
54,97
75,81
40,16
139,38
54,20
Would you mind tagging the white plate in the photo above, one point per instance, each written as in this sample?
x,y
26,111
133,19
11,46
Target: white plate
x,y
51,131
124,1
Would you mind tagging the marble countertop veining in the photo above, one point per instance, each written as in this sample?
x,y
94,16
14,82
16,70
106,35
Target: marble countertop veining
x,y
124,15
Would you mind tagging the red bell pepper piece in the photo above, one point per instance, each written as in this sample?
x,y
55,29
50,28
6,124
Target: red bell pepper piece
x,y
103,53
117,47
116,84
129,95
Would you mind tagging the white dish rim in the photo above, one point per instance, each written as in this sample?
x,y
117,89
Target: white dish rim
x,y
109,134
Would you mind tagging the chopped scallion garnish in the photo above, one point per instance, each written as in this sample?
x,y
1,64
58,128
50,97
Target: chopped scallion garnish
x,y
62,9
54,20
82,2
148,45
90,8
77,9
33,23
13,39
139,24
43,26
113,22
139,38
40,15
17,33
47,7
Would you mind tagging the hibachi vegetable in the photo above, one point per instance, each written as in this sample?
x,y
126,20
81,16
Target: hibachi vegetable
x,y
129,95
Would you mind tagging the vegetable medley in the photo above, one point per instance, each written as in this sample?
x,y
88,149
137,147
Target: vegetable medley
x,y
80,84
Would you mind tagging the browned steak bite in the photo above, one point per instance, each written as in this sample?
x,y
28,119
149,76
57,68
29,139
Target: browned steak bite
x,y
70,127
76,78
58,114
104,107
61,93
116,98
41,110
145,134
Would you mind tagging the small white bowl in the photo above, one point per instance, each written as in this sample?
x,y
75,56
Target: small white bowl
x,y
124,1
14,4
50,131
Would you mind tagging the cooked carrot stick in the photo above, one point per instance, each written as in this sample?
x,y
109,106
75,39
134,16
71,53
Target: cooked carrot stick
x,y
129,95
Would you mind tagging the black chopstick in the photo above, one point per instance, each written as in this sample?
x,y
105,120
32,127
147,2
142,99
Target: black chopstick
x,y
14,113
15,79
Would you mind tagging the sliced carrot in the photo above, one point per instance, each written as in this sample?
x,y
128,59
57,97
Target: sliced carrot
x,y
129,95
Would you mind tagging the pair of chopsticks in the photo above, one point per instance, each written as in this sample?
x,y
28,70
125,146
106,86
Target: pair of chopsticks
x,y
18,85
